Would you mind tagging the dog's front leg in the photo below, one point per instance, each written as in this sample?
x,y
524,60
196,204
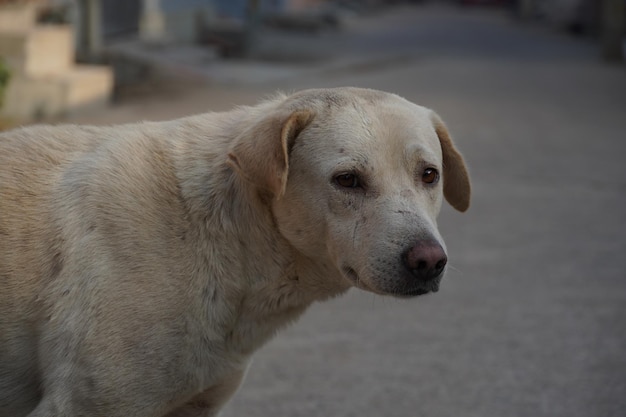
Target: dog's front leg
x,y
209,402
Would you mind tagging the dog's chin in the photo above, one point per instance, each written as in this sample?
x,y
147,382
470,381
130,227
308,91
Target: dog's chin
x,y
398,291
410,293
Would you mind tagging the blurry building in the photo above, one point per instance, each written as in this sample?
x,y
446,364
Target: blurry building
x,y
44,79
576,15
174,20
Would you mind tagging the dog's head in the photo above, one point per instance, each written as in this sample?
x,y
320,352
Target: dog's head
x,y
356,179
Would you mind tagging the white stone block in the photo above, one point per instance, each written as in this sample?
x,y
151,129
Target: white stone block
x,y
17,17
36,98
41,51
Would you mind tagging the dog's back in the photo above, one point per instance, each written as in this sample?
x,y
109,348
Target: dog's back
x,y
52,181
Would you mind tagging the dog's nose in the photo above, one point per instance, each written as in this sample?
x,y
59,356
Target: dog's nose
x,y
426,260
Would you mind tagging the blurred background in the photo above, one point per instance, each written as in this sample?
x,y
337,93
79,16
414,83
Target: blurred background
x,y
531,317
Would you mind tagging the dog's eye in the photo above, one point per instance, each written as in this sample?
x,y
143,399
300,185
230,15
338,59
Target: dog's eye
x,y
430,176
348,180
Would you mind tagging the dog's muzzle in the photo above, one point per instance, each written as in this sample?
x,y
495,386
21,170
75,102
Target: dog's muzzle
x,y
425,262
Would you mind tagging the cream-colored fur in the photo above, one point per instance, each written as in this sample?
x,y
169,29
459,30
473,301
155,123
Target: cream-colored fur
x,y
141,265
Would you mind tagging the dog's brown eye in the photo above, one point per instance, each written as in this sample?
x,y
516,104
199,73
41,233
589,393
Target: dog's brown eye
x,y
430,176
348,181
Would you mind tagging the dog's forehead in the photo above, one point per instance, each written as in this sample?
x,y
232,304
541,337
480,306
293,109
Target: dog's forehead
x,y
385,122
369,134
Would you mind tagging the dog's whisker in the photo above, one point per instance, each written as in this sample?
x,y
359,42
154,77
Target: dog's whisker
x,y
455,269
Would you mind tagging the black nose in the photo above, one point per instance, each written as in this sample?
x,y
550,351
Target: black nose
x,y
425,260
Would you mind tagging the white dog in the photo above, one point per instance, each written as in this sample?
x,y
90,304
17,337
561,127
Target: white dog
x,y
141,265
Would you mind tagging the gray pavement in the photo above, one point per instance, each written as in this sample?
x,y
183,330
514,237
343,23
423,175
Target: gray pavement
x,y
531,318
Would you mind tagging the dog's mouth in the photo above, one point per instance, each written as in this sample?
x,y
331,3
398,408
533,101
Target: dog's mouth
x,y
415,292
421,289
353,277
351,274
402,292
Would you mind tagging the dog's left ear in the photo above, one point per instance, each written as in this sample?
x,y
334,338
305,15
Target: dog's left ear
x,y
456,183
261,153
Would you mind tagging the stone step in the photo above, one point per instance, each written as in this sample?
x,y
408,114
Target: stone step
x,y
40,51
83,87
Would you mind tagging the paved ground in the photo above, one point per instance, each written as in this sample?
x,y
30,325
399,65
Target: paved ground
x,y
531,319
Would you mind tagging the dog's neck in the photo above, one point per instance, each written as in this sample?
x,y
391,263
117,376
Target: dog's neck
x,y
271,281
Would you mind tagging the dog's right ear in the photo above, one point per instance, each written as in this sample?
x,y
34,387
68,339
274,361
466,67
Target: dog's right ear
x,y
456,183
261,153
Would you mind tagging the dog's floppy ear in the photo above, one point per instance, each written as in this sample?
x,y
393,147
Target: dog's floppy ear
x,y
456,183
261,153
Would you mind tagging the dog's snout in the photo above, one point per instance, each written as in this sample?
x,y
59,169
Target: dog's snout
x,y
425,260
